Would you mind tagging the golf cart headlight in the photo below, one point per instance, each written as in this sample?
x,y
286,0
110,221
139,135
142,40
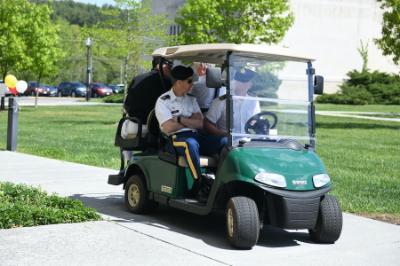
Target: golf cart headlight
x,y
321,180
271,179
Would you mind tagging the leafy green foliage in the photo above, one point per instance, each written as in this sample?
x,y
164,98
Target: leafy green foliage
x,y
389,42
21,205
43,45
14,17
265,85
28,40
115,98
75,13
123,39
33,47
366,88
237,21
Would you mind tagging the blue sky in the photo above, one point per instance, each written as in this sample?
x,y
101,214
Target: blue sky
x,y
97,2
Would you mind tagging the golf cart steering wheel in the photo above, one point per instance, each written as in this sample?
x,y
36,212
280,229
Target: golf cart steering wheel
x,y
259,123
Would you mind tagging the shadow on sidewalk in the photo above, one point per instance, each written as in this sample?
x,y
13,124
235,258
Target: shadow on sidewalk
x,y
210,229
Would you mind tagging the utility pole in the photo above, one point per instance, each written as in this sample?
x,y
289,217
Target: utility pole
x,y
88,68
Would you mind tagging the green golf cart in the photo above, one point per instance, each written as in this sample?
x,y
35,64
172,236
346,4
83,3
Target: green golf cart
x,y
268,173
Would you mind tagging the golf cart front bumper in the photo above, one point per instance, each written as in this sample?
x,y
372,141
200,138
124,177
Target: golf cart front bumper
x,y
292,209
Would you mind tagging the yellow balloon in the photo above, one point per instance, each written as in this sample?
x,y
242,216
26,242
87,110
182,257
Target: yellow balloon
x,y
10,81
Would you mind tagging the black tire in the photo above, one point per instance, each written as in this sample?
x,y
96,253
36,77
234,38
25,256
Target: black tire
x,y
329,223
242,222
137,196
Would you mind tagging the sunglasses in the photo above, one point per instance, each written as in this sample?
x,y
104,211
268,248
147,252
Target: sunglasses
x,y
189,81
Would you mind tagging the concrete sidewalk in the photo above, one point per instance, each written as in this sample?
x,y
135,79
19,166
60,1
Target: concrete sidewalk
x,y
167,237
377,116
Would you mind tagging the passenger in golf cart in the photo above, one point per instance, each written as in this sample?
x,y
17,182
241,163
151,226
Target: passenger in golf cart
x,y
180,118
142,95
215,119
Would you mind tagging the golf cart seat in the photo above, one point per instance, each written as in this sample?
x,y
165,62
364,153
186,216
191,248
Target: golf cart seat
x,y
130,135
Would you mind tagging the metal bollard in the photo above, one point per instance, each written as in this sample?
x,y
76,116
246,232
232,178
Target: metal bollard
x,y
12,130
2,105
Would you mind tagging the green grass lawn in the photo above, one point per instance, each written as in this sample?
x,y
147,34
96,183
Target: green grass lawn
x,y
362,156
77,134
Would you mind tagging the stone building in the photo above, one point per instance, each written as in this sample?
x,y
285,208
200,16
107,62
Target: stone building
x,y
330,30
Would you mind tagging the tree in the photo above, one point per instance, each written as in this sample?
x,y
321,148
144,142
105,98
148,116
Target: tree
x,y
363,51
28,40
42,43
237,21
390,40
13,18
129,33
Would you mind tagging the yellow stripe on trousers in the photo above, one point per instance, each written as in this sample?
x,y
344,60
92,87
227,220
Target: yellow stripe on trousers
x,y
188,158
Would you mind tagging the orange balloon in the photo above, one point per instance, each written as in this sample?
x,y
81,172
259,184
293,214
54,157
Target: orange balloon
x,y
10,81
13,91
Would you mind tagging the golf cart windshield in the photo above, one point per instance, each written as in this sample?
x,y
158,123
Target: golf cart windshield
x,y
269,99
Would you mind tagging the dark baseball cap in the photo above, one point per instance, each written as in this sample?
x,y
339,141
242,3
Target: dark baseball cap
x,y
157,60
182,72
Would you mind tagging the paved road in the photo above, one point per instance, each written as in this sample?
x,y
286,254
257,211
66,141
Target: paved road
x,y
54,101
167,237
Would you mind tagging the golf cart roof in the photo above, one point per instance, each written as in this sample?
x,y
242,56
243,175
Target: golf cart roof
x,y
216,52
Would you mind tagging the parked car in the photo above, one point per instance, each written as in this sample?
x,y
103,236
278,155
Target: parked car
x,y
117,88
100,90
73,89
53,90
41,89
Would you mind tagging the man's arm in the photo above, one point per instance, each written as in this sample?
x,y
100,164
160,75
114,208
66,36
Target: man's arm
x,y
195,121
171,125
212,129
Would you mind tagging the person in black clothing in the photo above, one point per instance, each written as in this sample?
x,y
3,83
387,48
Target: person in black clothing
x,y
146,88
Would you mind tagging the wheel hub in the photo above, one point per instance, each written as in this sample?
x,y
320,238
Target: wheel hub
x,y
133,195
229,217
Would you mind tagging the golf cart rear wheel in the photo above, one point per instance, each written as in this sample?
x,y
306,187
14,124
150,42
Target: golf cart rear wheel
x,y
242,222
136,196
329,223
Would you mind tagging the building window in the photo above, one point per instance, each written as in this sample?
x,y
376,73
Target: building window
x,y
174,29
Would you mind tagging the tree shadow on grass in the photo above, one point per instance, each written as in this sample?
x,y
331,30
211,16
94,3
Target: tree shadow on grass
x,y
210,229
347,125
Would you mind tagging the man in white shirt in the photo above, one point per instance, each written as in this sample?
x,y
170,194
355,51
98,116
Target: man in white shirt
x,y
243,109
180,116
203,94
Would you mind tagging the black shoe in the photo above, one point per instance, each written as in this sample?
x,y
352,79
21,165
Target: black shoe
x,y
202,196
207,180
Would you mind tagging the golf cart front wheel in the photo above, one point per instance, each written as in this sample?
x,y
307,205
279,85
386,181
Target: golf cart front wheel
x,y
329,223
136,196
242,222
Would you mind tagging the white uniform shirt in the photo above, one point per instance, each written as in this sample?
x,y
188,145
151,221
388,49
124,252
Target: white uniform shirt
x,y
242,111
203,94
168,105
